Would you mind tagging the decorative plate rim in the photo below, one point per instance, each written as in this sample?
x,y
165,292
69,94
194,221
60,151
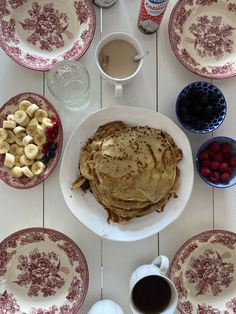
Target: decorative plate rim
x,y
66,239
46,68
186,243
191,69
41,178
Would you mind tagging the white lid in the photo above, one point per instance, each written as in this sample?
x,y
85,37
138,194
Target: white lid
x,y
106,307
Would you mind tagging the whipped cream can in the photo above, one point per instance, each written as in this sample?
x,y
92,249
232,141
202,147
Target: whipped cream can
x,y
151,14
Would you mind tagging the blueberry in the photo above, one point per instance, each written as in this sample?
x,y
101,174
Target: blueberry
x,y
45,159
199,125
50,154
209,110
52,146
197,110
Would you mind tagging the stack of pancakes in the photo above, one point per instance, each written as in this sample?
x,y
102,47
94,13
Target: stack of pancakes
x,y
132,171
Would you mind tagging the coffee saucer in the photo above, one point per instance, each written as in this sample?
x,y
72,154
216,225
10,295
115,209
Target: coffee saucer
x,y
204,273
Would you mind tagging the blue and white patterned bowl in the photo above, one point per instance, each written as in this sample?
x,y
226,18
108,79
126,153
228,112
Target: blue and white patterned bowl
x,y
206,89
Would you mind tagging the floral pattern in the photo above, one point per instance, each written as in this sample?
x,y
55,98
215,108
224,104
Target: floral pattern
x,y
232,305
226,240
5,258
212,37
46,26
40,272
207,309
8,304
196,37
210,271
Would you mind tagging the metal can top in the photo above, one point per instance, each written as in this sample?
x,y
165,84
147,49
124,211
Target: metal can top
x,y
104,3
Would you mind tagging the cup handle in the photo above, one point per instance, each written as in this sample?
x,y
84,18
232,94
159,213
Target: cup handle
x,y
118,89
162,263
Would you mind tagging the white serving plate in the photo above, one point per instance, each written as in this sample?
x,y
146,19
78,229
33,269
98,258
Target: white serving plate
x,y
84,205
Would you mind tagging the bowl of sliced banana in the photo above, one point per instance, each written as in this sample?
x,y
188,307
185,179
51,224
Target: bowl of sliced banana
x,y
31,139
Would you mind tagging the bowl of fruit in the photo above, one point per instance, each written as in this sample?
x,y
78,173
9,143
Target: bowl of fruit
x,y
216,162
201,107
31,139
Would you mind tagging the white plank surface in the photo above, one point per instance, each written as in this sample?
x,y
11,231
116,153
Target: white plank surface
x,y
156,87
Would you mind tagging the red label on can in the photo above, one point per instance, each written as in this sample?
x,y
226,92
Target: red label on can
x,y
152,10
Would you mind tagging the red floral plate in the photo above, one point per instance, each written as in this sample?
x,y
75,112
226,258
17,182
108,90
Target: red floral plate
x,y
203,36
204,273
42,271
10,107
36,34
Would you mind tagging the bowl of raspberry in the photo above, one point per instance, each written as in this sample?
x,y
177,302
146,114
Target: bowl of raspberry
x,y
216,162
201,107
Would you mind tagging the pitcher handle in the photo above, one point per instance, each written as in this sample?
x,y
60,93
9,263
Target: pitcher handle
x,y
162,263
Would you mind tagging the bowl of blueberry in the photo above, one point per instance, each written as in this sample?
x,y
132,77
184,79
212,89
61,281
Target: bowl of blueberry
x,y
201,107
216,162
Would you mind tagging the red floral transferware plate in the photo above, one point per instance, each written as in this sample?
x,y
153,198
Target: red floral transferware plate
x,y
37,34
204,274
10,107
203,36
42,271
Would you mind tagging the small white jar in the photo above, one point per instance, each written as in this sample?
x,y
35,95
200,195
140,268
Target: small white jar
x,y
106,307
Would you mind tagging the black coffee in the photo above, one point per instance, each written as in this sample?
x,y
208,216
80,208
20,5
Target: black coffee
x,y
151,295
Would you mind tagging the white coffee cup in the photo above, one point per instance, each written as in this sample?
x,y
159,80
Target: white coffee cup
x,y
157,268
118,82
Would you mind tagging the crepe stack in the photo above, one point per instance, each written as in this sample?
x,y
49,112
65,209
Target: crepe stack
x,y
132,171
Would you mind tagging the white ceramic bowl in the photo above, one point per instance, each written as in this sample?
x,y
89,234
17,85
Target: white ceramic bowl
x,y
84,205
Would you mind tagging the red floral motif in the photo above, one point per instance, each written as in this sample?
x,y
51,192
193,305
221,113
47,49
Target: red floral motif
x,y
188,59
181,16
8,304
178,282
5,258
232,7
206,2
204,237
226,240
82,9
212,37
186,307
209,271
232,305
8,31
46,25
70,251
32,237
3,9
40,273
74,289
52,310
16,3
207,309
187,252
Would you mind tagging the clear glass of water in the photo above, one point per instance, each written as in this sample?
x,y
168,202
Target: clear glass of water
x,y
69,82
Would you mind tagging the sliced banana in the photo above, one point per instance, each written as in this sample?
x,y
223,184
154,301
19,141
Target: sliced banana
x,y
27,140
10,137
26,161
47,123
31,151
38,168
40,114
40,130
9,124
24,105
33,121
3,134
19,138
4,147
17,172
10,117
27,172
19,129
32,109
26,122
31,130
17,162
20,150
9,160
40,155
20,117
40,139
13,149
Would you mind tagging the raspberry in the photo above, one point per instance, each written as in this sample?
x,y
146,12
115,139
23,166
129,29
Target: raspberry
x,y
226,156
203,155
205,172
215,165
232,161
226,148
214,177
218,157
225,177
205,163
224,167
214,147
211,154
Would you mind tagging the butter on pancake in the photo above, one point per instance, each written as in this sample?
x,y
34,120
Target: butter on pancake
x,y
132,171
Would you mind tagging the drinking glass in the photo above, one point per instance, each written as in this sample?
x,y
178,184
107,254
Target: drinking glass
x,y
69,82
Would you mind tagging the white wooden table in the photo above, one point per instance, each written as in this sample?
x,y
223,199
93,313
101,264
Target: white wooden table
x,y
156,88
